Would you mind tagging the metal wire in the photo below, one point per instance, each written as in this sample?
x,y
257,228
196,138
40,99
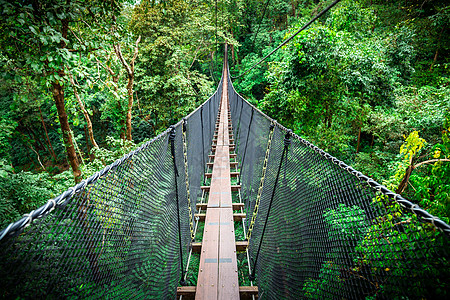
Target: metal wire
x,y
332,232
115,234
289,39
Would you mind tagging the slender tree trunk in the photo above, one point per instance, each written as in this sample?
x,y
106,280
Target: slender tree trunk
x,y
86,135
233,55
115,79
85,113
130,105
36,139
58,96
359,139
130,73
437,50
49,143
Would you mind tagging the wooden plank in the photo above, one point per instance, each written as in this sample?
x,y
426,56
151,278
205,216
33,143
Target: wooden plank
x,y
239,216
228,270
244,291
218,277
240,246
204,206
232,174
234,188
208,275
248,292
232,155
236,216
186,290
229,145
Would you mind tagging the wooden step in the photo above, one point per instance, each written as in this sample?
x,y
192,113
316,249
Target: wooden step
x,y
234,188
204,206
233,164
245,292
232,174
232,155
236,217
231,147
240,246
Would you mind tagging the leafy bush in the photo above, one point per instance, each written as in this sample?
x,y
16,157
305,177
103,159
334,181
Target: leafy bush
x,y
25,191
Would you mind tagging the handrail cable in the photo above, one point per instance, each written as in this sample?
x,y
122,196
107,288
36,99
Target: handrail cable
x,y
290,38
260,20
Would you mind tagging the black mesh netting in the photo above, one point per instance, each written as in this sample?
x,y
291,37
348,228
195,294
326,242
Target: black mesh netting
x,y
332,233
114,235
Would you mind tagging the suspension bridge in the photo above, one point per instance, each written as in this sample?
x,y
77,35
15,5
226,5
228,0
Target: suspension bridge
x,y
227,204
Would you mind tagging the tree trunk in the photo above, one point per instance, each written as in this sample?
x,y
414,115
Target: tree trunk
x,y
359,139
233,55
130,72
130,104
437,50
58,96
86,135
115,78
49,143
36,139
85,113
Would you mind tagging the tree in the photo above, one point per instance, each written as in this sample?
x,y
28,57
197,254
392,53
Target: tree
x,y
130,75
44,42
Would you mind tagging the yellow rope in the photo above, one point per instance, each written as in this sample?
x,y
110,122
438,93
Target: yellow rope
x,y
191,223
261,184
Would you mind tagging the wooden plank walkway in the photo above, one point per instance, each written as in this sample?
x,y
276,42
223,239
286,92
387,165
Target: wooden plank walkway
x,y
218,272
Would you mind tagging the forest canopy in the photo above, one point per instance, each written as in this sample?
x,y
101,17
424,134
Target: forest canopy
x,y
84,82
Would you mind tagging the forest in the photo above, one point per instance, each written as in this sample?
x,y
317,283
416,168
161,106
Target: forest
x,y
84,82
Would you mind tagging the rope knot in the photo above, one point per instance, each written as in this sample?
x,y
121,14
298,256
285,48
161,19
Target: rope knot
x,y
272,125
172,133
287,138
184,124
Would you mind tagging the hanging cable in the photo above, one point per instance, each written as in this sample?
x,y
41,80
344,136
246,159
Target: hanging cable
x,y
261,182
290,38
203,144
186,176
172,136
217,49
246,143
260,20
287,142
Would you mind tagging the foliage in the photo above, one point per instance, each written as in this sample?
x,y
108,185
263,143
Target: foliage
x,y
23,192
345,223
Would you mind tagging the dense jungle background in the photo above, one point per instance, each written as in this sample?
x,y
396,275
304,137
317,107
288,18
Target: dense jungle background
x,y
84,82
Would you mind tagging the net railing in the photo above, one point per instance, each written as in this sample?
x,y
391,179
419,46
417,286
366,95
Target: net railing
x,y
116,234
318,229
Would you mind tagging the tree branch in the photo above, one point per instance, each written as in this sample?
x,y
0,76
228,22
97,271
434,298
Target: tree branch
x,y
403,184
122,60
431,161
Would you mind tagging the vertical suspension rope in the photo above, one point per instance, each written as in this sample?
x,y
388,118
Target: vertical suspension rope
x,y
216,30
245,149
239,122
203,145
172,150
287,142
186,173
261,183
